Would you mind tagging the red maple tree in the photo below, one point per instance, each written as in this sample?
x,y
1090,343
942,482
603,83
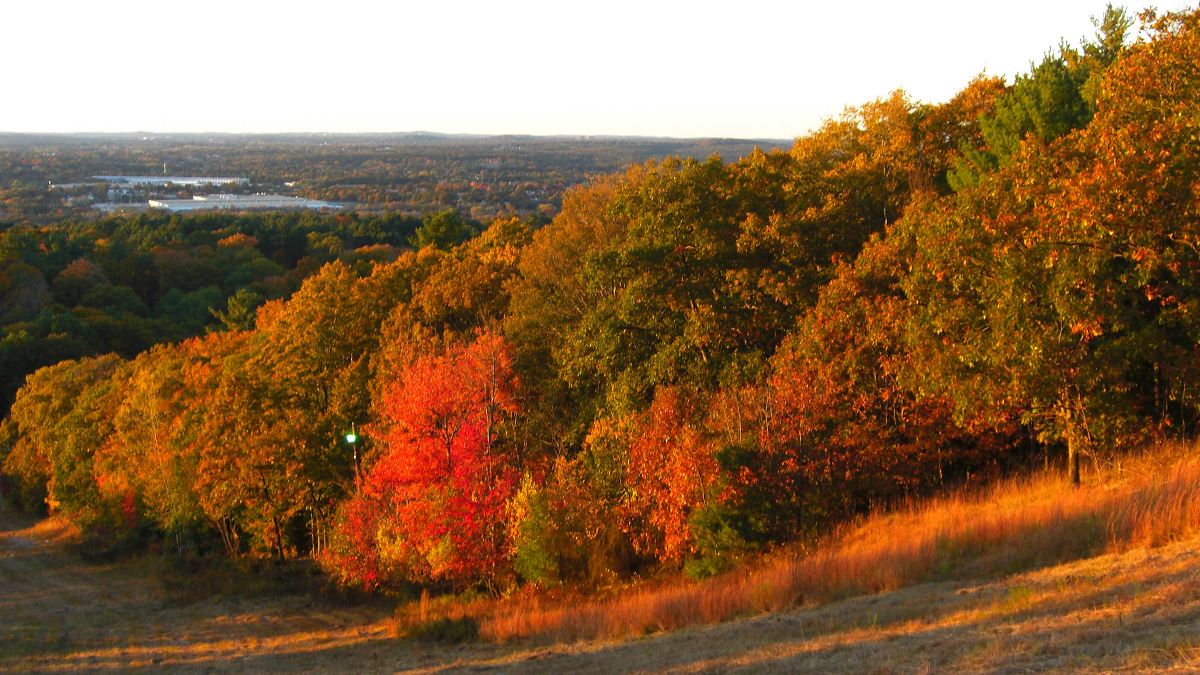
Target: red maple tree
x,y
432,506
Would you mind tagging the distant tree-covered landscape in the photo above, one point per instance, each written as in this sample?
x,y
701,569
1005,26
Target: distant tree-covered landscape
x,y
483,177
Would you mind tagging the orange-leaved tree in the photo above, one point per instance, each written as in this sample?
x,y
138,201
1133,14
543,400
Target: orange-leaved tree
x,y
671,472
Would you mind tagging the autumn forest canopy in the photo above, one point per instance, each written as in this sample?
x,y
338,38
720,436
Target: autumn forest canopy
x,y
693,361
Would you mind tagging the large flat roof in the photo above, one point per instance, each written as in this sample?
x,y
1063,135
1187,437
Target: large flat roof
x,y
224,201
177,180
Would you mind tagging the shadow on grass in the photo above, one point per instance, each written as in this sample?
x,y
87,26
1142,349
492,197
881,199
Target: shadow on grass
x,y
188,580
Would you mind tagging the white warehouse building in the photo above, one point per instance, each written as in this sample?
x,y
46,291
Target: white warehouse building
x,y
238,202
174,180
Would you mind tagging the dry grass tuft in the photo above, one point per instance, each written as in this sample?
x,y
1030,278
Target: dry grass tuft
x,y
1020,524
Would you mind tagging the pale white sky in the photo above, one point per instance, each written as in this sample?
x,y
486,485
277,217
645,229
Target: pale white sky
x,y
741,68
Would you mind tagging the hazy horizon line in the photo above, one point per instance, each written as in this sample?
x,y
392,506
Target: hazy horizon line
x,y
440,134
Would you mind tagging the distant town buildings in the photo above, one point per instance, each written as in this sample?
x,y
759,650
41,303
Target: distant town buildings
x,y
174,180
223,201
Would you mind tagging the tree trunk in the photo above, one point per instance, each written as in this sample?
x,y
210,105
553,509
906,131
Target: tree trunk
x,y
1073,451
1070,413
278,537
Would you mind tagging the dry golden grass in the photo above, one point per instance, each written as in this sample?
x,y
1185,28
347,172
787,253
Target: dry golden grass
x,y
1020,524
1030,577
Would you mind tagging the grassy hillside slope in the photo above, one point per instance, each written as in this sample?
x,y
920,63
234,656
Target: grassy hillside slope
x,y
1028,576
